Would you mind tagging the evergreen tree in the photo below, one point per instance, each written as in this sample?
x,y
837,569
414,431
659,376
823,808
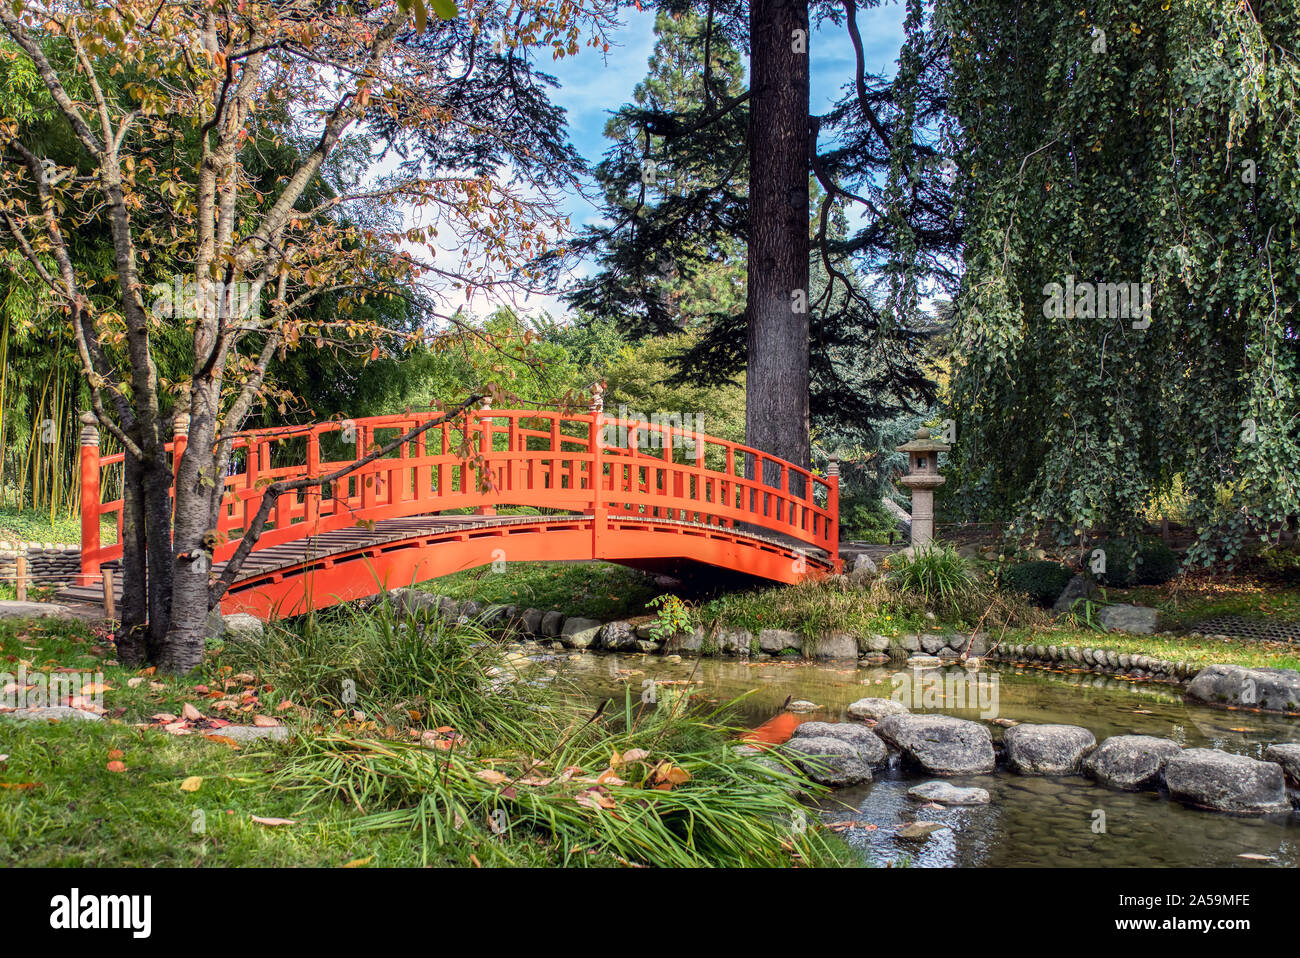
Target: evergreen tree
x,y
745,160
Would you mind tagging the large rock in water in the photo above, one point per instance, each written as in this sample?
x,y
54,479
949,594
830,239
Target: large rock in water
x,y
1047,749
1226,783
777,641
1130,762
828,761
869,745
940,744
1288,756
1275,689
875,708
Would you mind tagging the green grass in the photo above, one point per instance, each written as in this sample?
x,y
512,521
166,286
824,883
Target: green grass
x,y
35,525
811,608
1184,603
354,777
597,590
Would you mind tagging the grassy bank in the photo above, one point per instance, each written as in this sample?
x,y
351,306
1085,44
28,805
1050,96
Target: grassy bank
x,y
598,590
893,607
409,744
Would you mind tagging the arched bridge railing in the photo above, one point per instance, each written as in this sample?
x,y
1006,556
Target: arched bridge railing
x,y
590,463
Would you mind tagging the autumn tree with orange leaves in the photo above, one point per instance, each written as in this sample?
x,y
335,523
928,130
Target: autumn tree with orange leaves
x,y
443,161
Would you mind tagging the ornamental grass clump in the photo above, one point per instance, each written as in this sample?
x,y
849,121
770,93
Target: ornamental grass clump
x,y
938,576
452,743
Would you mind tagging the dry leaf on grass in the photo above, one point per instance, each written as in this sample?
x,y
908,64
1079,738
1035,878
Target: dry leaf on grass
x,y
594,798
116,766
491,776
191,713
192,783
265,721
272,821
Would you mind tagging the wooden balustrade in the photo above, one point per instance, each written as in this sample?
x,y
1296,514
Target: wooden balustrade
x,y
589,463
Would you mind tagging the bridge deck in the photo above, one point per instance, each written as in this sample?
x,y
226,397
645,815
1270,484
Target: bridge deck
x,y
290,555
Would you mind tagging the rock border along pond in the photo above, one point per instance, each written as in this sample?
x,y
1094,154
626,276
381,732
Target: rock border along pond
x,y
884,731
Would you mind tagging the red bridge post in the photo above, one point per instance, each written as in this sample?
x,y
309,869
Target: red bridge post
x,y
833,508
89,499
596,443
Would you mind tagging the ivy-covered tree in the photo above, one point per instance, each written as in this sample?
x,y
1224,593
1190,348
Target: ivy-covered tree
x,y
131,84
1130,181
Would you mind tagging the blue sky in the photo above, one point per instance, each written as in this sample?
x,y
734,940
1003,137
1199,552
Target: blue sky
x,y
592,86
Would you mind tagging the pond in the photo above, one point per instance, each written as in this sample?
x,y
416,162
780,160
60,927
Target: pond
x,y
1031,820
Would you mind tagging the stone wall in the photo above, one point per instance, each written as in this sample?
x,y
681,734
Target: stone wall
x,y
576,632
48,564
1097,660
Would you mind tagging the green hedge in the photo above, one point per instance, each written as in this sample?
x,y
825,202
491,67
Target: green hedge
x,y
1041,580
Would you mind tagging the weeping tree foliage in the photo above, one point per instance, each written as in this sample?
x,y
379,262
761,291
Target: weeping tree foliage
x,y
1133,153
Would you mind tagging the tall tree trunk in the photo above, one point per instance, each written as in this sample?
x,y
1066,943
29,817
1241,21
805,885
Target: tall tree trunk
x,y
776,378
191,560
158,525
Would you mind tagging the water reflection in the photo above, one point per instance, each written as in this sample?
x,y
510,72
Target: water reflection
x,y
1031,821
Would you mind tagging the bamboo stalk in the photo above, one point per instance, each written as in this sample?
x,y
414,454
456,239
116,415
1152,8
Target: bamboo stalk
x,y
21,577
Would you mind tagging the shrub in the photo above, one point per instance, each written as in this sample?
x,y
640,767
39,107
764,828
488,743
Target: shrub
x,y
1279,563
1129,562
1157,563
672,616
1041,580
864,519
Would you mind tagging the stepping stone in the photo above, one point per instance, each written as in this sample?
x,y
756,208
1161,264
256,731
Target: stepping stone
x,y
251,733
871,749
1131,762
945,793
875,708
1138,619
13,609
919,830
828,761
1046,749
1223,782
1288,756
940,744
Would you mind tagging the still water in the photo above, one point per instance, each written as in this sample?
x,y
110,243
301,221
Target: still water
x,y
1031,821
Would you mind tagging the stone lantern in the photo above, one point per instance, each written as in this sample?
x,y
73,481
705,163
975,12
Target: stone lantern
x,y
922,478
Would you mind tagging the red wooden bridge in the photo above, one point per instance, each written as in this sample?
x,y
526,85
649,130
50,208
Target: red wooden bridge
x,y
493,486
